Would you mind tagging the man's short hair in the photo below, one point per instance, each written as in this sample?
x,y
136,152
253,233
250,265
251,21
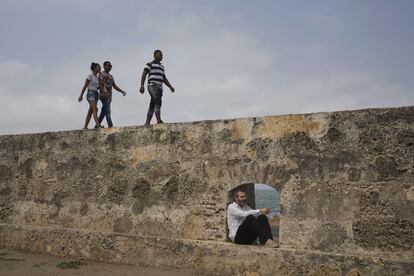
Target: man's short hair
x,y
236,192
106,63
157,51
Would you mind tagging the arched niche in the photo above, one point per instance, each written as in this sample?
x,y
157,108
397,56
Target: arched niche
x,y
260,195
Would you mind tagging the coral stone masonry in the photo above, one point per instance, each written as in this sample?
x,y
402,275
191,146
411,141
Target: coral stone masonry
x,y
157,195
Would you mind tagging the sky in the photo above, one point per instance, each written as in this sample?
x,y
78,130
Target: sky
x,y
259,186
225,58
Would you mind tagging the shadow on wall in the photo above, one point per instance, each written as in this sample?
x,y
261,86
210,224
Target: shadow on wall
x,y
260,196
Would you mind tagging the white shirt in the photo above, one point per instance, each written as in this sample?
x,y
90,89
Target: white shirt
x,y
93,82
236,215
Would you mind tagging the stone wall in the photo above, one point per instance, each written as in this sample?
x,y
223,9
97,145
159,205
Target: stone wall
x,y
346,179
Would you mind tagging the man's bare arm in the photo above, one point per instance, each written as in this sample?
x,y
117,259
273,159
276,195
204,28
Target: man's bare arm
x,y
167,83
143,76
117,88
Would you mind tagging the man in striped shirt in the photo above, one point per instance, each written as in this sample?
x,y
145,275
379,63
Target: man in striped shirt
x,y
156,77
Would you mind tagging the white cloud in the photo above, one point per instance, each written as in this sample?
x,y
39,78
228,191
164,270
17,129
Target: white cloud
x,y
12,67
47,4
217,72
325,19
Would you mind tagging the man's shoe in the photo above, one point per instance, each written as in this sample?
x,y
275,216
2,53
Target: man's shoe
x,y
256,242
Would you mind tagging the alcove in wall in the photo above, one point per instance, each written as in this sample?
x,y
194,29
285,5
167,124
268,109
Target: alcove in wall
x,y
260,196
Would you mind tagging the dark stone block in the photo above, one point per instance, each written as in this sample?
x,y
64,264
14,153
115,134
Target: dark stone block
x,y
138,207
336,162
327,201
384,233
387,168
22,190
354,174
225,135
372,204
5,172
84,208
142,189
334,135
122,225
73,164
111,141
372,140
168,138
5,212
27,167
404,114
206,146
299,142
117,190
321,166
277,175
260,146
170,189
406,139
64,145
57,199
5,192
45,139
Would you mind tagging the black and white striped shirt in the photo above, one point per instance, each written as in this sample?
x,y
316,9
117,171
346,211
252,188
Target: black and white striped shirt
x,y
156,73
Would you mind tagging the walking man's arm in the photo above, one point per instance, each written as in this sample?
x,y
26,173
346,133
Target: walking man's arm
x,y
143,76
117,88
167,83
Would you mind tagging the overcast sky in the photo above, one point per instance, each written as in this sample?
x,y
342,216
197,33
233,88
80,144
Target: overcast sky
x,y
226,58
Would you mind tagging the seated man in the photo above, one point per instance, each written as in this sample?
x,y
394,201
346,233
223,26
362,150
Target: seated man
x,y
245,224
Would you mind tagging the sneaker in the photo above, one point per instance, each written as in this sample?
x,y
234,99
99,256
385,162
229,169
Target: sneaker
x,y
256,242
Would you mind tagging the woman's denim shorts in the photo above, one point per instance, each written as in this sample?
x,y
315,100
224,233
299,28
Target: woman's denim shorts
x,y
92,96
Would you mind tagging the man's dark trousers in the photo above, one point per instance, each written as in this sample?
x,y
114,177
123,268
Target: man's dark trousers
x,y
253,228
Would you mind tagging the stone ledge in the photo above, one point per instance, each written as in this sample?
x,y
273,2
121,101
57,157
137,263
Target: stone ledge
x,y
135,128
208,257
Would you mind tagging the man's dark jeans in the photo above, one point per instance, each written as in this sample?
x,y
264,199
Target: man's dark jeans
x,y
106,112
155,92
253,228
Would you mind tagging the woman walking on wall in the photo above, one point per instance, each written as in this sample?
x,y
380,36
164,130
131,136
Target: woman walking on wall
x,y
92,83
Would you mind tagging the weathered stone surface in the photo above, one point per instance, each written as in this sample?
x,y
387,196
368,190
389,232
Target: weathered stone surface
x,y
384,234
5,172
194,227
346,183
208,257
83,209
122,225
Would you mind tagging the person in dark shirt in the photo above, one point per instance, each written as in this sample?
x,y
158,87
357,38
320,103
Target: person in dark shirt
x,y
106,83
